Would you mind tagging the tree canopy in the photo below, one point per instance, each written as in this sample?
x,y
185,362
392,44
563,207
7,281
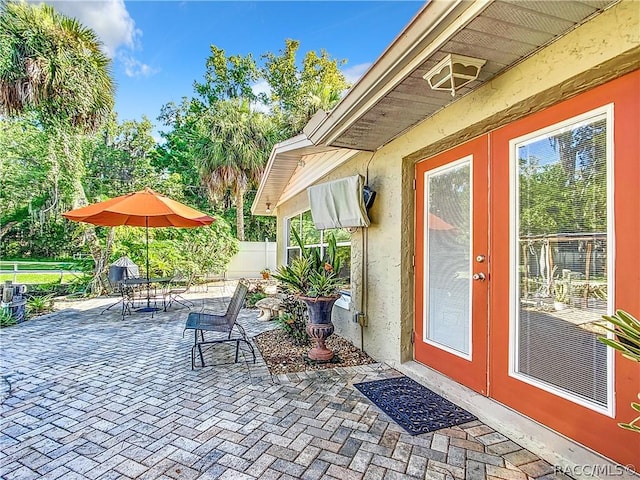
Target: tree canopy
x,y
227,130
51,64
62,146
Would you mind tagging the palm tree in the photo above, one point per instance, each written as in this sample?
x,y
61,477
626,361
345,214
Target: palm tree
x,y
53,65
315,97
231,152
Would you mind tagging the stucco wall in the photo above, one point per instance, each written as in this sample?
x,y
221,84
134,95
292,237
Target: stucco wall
x,y
342,318
602,49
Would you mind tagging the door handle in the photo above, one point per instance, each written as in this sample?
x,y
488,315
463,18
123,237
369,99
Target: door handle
x,y
479,276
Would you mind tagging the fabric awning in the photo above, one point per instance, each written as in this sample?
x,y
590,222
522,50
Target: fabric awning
x,y
338,204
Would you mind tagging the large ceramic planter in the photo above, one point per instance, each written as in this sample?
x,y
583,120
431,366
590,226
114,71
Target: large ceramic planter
x,y
319,327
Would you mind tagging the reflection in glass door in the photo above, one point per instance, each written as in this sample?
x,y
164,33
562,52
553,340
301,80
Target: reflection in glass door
x,y
563,260
447,244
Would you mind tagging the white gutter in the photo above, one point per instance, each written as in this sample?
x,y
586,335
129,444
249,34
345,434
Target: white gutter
x,y
429,30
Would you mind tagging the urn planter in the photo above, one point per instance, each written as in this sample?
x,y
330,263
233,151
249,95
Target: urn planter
x,y
319,326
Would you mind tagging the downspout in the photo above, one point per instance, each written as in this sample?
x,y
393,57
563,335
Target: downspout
x,y
363,314
364,298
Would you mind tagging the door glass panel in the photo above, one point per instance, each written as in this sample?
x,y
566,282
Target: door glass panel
x,y
562,250
447,256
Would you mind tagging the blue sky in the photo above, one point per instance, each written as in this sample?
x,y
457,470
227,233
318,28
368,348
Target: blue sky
x,y
159,47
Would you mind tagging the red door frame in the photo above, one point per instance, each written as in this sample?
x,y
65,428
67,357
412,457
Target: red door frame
x,y
472,373
593,429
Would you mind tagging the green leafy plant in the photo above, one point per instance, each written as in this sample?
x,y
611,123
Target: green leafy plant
x,y
311,275
253,298
561,292
39,305
627,341
6,319
293,320
255,294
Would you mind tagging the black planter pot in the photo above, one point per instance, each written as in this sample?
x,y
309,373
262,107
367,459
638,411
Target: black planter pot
x,y
320,327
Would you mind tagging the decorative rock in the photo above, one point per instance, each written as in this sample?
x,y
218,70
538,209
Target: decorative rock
x,y
269,307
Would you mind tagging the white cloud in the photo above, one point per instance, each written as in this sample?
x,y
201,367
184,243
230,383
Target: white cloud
x,y
355,72
134,67
258,88
261,86
109,19
115,28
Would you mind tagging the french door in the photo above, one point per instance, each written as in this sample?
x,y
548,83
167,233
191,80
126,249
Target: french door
x,y
452,263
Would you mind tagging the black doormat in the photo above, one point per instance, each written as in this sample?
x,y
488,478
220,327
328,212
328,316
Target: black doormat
x,y
413,406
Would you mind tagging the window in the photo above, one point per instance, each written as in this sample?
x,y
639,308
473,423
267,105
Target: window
x,y
312,237
563,268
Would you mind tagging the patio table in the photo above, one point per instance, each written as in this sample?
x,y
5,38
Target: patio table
x,y
139,289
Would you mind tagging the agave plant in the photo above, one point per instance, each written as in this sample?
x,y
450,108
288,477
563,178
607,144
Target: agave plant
x,y
627,330
311,275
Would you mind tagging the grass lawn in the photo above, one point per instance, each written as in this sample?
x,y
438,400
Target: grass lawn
x,y
39,271
38,278
36,265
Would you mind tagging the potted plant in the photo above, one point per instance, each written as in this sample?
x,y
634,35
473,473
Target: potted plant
x,y
265,272
314,280
561,295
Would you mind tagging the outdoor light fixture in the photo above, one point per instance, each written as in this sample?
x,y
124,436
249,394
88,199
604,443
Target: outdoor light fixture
x,y
301,163
268,210
453,72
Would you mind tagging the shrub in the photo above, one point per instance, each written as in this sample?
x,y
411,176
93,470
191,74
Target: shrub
x,y
39,305
6,320
293,320
253,298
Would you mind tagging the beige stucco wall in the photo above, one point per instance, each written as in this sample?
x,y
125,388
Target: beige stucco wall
x,y
342,318
602,49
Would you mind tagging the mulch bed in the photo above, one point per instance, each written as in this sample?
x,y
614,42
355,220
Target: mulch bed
x,y
282,356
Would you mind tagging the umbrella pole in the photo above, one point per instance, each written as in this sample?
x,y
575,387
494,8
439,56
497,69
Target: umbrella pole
x,y
146,223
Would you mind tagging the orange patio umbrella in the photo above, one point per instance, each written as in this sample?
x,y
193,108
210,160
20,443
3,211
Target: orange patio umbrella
x,y
436,223
145,208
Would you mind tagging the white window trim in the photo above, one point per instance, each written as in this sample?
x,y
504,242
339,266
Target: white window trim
x,y
606,112
450,165
344,301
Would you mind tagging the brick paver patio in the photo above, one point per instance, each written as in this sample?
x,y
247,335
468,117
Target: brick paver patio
x,y
86,395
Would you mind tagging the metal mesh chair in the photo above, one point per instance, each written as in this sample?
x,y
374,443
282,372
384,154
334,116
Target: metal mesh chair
x,y
178,286
226,324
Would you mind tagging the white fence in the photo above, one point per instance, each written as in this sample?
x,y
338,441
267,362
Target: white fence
x,y
252,257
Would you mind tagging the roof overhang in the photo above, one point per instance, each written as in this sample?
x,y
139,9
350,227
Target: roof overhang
x,y
292,165
393,96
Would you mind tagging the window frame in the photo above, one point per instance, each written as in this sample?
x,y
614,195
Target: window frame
x,y
345,300
607,112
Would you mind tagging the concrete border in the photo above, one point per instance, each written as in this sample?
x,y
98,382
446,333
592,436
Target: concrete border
x,y
549,445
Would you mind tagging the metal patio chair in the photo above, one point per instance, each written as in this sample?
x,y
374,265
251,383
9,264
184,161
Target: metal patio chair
x,y
178,286
115,288
226,324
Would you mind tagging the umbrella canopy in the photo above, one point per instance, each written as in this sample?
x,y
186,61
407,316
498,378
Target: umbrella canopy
x,y
436,223
145,208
